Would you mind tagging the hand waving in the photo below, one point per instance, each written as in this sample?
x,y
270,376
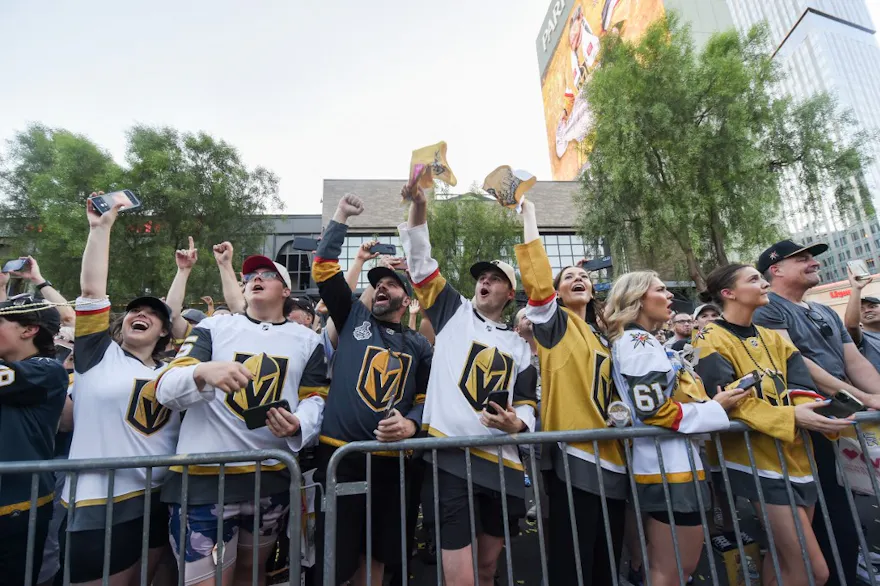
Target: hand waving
x,y
186,258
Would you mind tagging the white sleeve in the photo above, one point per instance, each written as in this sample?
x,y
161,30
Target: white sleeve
x,y
416,245
178,391
703,417
310,413
526,413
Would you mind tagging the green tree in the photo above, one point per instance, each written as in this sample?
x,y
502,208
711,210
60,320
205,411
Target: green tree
x,y
469,228
190,184
690,150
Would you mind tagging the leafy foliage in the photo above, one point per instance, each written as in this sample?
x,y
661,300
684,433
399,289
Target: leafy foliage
x,y
690,150
190,184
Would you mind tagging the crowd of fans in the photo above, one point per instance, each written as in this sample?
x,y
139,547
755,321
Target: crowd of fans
x,y
82,384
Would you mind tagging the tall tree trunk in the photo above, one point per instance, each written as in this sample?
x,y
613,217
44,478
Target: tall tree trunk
x,y
717,231
694,269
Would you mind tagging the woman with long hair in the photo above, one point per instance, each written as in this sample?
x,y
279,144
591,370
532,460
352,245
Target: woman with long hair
x,y
568,327
784,400
116,414
661,389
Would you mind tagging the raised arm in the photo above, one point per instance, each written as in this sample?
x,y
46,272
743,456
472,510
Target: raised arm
x,y
4,285
31,272
418,209
852,318
96,258
334,291
185,259
232,293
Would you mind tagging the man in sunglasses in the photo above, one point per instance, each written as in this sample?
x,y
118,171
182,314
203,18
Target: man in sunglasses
x,y
377,391
834,363
228,369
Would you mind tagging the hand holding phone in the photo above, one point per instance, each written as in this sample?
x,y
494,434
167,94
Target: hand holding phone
x,y
255,417
104,202
381,248
859,269
842,405
15,265
498,397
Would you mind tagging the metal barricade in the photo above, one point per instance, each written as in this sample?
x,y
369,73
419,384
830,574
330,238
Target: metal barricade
x,y
746,572
73,468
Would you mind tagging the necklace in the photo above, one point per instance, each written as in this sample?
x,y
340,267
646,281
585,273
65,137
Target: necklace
x,y
766,350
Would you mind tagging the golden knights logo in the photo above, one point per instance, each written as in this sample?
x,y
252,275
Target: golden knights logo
x,y
602,387
772,389
145,414
269,372
383,377
487,369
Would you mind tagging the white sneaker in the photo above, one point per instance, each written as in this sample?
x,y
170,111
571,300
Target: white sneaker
x,y
862,569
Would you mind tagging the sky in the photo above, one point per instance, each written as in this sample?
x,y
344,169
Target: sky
x,y
309,89
342,89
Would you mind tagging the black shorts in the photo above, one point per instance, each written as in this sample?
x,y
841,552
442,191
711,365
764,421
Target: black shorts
x,y
87,547
13,544
455,517
351,520
681,519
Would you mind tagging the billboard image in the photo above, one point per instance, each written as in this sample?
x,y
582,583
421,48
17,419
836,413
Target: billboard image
x,y
568,53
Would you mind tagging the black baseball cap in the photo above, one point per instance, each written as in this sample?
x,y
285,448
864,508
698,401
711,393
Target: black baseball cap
x,y
786,249
154,303
378,273
873,300
42,313
303,303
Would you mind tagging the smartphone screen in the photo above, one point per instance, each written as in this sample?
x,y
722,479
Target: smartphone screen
x,y
14,265
62,352
859,269
104,203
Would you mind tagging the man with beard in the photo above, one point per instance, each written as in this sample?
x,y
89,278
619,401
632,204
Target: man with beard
x,y
862,320
377,391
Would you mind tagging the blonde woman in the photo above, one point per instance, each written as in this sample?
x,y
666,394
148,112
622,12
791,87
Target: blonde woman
x,y
660,389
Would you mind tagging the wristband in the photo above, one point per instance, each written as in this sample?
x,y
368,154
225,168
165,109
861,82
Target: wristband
x,y
43,285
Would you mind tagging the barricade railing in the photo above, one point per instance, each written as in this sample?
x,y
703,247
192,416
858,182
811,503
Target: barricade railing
x,y
747,572
75,468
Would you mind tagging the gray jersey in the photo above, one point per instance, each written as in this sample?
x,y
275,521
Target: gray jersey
x,y
870,347
823,348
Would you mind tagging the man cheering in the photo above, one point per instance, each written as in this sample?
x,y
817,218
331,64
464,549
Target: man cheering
x,y
476,355
377,391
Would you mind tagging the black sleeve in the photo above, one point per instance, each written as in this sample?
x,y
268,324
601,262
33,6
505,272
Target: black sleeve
x,y
197,347
92,338
444,302
334,291
525,389
551,332
797,374
314,381
715,370
29,382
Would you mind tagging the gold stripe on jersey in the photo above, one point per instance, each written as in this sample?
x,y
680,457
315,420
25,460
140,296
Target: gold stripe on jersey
x,y
103,501
671,477
429,289
92,322
339,443
532,404
197,470
26,505
324,269
306,392
481,453
419,399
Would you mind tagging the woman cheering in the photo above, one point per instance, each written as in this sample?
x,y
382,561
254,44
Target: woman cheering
x,y
576,391
661,389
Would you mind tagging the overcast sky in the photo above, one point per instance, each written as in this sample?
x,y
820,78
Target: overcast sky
x,y
309,89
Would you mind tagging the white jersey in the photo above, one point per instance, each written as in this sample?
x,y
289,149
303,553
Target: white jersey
x,y
473,356
115,414
287,360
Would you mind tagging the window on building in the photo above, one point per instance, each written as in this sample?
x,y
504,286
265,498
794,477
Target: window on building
x,y
867,246
848,254
836,243
859,250
809,239
843,239
566,250
298,264
873,228
870,263
840,257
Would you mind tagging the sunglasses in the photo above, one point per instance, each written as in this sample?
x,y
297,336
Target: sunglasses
x,y
265,275
817,319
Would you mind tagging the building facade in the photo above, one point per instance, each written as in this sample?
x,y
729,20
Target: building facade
x,y
384,212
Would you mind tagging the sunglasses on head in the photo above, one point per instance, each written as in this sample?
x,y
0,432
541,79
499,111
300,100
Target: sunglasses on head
x,y
817,319
264,275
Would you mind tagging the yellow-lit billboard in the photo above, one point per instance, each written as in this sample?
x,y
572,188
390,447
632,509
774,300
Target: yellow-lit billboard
x,y
568,49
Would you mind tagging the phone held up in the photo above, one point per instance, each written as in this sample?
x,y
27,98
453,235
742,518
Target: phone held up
x,y
859,269
15,265
380,248
104,203
498,397
306,244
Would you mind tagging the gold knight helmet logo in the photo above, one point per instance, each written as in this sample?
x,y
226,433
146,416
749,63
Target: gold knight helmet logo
x,y
269,375
145,414
382,377
487,369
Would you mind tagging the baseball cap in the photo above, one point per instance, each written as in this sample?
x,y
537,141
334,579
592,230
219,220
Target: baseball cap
x,y
376,274
705,307
303,303
873,300
29,310
786,249
153,303
257,261
193,315
499,265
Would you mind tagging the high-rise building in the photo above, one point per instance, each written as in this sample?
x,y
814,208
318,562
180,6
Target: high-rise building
x,y
830,46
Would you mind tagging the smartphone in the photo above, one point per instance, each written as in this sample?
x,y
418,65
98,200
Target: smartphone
x,y
15,265
747,382
104,203
255,417
389,249
842,406
499,397
307,244
62,352
859,269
